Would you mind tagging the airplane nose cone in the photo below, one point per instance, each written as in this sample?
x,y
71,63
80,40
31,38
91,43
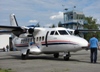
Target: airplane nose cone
x,y
83,42
80,41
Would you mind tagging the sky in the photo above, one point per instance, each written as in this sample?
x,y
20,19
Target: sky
x,y
45,12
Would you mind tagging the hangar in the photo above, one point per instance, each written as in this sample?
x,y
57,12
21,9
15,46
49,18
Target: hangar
x,y
4,41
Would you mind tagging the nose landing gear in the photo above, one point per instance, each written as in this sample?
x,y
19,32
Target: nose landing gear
x,y
67,56
25,56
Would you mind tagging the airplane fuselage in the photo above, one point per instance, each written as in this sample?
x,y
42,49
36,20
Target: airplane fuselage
x,y
50,41
36,40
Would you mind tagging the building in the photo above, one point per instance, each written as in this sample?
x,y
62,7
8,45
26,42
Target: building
x,y
73,19
4,41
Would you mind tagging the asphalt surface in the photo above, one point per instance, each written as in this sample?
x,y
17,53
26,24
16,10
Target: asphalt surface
x,y
79,62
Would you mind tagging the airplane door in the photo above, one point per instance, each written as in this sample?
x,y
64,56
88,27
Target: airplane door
x,y
46,37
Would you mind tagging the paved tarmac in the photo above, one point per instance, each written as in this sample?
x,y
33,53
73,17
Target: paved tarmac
x,y
79,62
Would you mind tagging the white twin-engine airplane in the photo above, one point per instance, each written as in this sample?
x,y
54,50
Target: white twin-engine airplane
x,y
37,40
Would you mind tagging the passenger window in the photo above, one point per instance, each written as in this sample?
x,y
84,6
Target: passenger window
x,y
37,38
52,33
42,38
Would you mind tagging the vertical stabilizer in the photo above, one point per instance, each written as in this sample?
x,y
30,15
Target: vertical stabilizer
x,y
13,20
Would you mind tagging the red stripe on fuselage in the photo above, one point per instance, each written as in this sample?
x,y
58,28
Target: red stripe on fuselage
x,y
59,41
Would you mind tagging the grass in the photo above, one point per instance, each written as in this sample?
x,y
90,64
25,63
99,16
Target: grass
x,y
6,70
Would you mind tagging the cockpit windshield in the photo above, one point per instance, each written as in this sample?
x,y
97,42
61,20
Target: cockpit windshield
x,y
70,32
62,32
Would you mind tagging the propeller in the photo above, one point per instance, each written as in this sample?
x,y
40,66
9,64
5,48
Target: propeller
x,y
76,32
30,31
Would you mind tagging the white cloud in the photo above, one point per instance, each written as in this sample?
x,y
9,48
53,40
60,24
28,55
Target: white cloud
x,y
48,25
33,21
46,11
59,15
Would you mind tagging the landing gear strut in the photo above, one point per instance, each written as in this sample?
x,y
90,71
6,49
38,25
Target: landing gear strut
x,y
67,56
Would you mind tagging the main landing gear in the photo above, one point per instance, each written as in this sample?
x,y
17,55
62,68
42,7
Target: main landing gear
x,y
24,57
67,56
56,55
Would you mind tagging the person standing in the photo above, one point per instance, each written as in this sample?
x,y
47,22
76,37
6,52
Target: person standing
x,y
93,44
7,47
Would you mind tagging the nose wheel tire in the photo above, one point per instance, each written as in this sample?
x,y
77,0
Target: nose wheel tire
x,y
67,56
24,57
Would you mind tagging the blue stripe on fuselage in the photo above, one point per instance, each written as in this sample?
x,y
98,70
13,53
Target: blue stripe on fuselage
x,y
58,43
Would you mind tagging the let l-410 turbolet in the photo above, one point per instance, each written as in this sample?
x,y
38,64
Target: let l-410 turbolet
x,y
37,40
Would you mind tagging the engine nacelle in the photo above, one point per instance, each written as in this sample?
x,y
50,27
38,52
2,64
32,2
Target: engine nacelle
x,y
23,32
28,33
76,32
23,35
30,30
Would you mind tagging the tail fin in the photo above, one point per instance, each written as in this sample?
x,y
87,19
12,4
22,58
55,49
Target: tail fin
x,y
13,20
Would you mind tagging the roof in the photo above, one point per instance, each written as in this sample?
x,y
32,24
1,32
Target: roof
x,y
70,23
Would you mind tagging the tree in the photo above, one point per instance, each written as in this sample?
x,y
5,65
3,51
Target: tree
x,y
59,24
53,26
91,24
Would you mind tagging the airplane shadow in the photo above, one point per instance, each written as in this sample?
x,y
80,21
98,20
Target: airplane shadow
x,y
50,57
46,57
33,57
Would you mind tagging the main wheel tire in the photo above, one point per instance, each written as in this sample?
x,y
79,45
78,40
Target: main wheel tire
x,y
66,58
56,55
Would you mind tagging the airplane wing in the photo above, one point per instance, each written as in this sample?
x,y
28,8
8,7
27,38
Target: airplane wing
x,y
10,28
85,30
17,30
5,32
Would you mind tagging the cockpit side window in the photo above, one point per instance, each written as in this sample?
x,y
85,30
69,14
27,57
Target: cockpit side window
x,y
62,32
52,33
71,32
56,33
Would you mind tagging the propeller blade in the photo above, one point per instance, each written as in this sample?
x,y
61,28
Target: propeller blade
x,y
33,38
